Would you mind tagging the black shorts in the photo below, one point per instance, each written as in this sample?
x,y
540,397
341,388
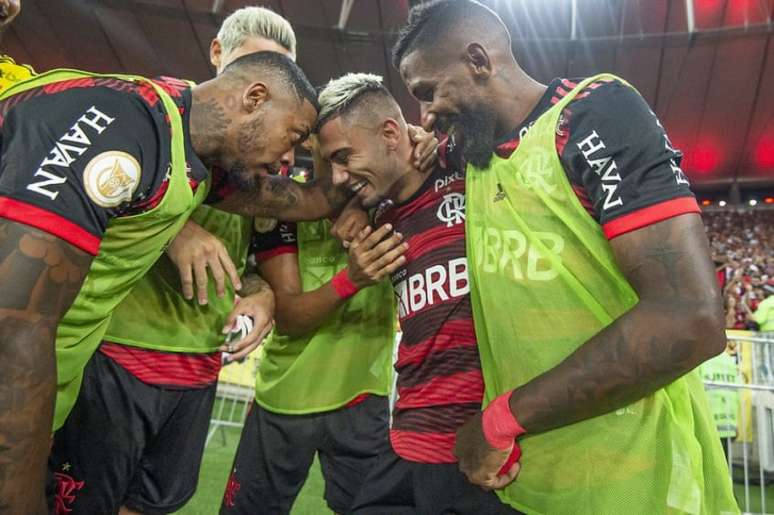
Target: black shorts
x,y
276,451
129,443
400,487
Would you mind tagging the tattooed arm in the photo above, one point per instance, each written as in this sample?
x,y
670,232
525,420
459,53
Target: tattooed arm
x,y
279,197
677,324
40,277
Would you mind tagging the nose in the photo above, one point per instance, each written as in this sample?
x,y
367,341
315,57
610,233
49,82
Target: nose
x,y
340,174
288,158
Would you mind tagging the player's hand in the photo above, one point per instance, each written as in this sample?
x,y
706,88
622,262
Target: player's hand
x,y
193,251
259,307
350,222
480,462
374,254
9,9
425,148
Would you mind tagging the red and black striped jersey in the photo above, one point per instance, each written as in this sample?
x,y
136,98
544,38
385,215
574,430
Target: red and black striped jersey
x,y
439,374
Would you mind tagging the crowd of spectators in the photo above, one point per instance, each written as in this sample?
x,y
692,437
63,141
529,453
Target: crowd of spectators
x,y
742,245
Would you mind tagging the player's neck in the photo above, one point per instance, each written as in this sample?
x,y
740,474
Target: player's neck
x,y
411,179
206,114
517,95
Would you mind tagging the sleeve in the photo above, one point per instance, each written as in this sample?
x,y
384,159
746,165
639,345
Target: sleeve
x,y
279,240
71,160
620,161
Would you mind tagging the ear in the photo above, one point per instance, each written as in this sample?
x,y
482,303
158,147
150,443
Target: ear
x,y
255,96
215,53
478,61
391,133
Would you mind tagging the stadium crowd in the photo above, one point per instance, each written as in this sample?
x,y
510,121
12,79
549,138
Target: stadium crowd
x,y
741,243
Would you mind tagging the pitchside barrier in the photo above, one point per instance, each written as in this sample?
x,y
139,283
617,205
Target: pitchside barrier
x,y
739,383
740,387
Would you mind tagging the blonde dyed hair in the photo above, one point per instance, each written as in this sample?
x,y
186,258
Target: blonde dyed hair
x,y
259,22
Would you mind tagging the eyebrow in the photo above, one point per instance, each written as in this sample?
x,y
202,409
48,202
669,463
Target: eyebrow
x,y
339,154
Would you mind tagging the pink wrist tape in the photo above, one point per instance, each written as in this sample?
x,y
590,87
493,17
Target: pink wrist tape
x,y
499,424
343,285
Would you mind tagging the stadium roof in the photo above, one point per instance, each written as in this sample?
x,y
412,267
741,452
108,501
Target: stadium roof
x,y
706,66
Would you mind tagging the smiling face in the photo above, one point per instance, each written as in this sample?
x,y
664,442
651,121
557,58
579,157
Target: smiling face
x,y
362,160
453,101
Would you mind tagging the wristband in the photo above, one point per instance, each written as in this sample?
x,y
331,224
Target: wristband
x,y
513,457
343,285
500,426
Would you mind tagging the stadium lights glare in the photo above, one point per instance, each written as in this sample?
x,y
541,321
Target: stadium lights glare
x,y
753,202
722,203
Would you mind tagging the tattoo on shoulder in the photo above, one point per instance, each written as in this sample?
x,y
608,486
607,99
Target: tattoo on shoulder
x,y
41,272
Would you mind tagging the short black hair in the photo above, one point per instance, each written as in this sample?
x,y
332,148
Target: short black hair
x,y
429,23
282,66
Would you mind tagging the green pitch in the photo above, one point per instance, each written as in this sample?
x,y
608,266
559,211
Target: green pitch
x,y
216,466
220,454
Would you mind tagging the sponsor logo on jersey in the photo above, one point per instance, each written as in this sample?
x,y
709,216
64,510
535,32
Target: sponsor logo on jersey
x,y
111,178
67,150
435,284
452,209
604,166
500,195
535,171
512,254
445,181
264,225
680,177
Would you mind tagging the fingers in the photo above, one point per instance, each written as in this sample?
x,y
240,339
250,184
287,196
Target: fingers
x,y
389,253
504,480
392,261
250,342
428,121
347,230
219,276
360,238
375,237
230,324
488,478
430,157
231,270
425,150
186,281
201,278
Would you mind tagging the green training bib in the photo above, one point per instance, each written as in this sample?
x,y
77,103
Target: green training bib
x,y
129,247
350,354
543,282
156,316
